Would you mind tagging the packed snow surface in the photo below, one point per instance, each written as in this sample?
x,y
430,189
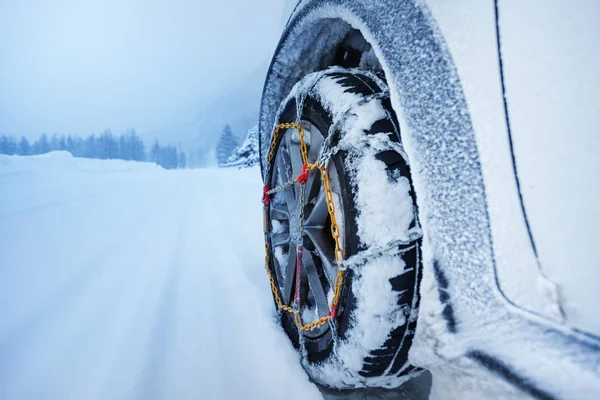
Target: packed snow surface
x,y
121,280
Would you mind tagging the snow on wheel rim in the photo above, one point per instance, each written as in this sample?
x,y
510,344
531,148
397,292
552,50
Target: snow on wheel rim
x,y
319,266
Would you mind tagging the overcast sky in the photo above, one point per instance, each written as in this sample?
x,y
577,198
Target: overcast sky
x,y
80,66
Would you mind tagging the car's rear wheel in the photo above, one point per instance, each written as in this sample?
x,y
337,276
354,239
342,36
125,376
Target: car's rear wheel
x,y
346,114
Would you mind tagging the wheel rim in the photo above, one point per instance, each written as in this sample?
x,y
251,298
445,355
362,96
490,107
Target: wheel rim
x,y
319,268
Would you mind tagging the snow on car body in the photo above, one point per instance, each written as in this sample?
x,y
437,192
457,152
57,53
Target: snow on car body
x,y
484,99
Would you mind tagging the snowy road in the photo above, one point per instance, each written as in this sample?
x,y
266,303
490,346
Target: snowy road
x,y
125,281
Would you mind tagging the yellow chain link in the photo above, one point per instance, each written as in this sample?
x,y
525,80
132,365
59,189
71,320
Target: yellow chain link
x,y
335,233
288,125
302,144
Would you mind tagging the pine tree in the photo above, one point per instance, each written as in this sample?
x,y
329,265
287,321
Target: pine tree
x,y
165,156
8,145
124,148
54,143
107,146
42,146
90,147
138,150
62,143
181,160
70,147
12,146
168,157
226,145
247,154
24,147
155,152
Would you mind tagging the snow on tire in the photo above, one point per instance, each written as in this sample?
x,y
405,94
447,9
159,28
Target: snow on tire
x,y
347,115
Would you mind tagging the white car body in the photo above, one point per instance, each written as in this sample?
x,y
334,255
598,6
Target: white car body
x,y
551,63
497,102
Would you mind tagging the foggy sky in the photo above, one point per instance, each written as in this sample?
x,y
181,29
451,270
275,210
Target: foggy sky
x,y
81,66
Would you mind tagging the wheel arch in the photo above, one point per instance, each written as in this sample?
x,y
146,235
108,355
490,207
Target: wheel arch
x,y
295,57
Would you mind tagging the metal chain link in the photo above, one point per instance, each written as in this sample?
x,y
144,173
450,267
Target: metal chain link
x,y
335,230
299,249
282,186
393,248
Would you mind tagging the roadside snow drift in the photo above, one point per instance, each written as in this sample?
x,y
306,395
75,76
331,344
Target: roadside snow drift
x,y
121,280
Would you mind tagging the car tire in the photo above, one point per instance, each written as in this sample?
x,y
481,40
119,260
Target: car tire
x,y
347,112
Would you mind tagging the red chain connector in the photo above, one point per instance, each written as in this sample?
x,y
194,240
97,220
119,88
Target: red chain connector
x,y
266,198
303,177
333,312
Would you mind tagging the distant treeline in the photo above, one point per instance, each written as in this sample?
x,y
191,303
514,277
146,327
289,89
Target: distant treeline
x,y
127,146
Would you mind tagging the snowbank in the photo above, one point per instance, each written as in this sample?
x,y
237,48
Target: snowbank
x,y
60,162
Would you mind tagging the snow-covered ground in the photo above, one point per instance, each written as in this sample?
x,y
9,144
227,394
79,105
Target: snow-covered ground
x,y
121,280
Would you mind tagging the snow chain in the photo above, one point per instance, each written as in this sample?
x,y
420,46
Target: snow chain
x,y
335,230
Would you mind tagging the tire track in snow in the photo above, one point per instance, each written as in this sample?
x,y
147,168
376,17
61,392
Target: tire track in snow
x,y
152,381
191,369
217,330
125,321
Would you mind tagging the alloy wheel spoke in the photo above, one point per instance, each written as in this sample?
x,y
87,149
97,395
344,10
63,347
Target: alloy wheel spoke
x,y
295,156
279,212
325,251
290,274
280,239
318,215
296,161
283,166
289,195
314,282
313,185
